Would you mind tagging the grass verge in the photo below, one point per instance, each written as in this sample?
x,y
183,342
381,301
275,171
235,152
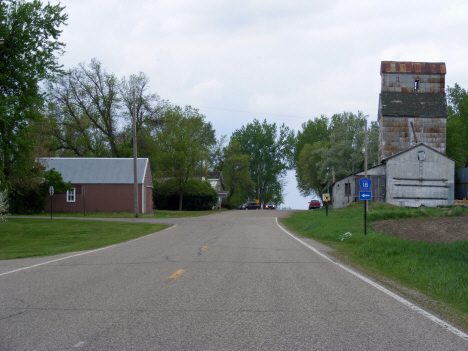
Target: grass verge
x,y
27,237
433,275
156,214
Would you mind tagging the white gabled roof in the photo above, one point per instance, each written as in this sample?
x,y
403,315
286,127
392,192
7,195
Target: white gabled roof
x,y
90,170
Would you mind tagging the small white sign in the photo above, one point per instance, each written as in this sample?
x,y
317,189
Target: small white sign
x,y
51,190
325,197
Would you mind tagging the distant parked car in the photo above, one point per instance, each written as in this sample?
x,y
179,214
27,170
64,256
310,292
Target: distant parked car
x,y
252,206
313,204
270,206
241,207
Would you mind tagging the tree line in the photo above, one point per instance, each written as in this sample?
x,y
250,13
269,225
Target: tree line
x,y
88,112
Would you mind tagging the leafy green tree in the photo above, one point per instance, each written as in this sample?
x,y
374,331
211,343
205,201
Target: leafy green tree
x,y
373,144
314,135
234,166
271,155
457,125
313,131
309,181
342,153
182,144
27,57
345,153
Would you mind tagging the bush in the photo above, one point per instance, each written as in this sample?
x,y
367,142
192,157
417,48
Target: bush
x,y
198,195
33,200
3,206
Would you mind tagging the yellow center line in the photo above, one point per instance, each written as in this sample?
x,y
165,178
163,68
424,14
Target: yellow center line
x,y
177,274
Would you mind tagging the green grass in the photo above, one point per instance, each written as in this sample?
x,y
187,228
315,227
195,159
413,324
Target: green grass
x,y
156,214
27,237
439,271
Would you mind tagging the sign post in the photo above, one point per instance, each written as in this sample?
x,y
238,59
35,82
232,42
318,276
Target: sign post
x,y
326,198
365,194
84,207
51,192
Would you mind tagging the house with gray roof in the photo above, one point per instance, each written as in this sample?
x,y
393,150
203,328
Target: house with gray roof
x,y
417,176
101,184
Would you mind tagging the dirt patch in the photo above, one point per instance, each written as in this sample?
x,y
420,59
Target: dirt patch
x,y
433,230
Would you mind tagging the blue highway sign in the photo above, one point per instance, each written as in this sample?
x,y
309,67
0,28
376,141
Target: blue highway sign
x,y
365,184
365,195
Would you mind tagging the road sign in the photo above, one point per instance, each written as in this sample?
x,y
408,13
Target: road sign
x,y
365,184
365,195
51,190
325,197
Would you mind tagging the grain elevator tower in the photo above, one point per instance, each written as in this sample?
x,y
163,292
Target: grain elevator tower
x,y
412,106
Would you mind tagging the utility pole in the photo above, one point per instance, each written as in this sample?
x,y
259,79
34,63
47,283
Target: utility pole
x,y
365,176
135,172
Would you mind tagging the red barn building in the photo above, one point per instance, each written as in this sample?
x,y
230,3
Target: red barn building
x,y
101,184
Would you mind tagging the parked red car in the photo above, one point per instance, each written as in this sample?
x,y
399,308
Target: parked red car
x,y
313,204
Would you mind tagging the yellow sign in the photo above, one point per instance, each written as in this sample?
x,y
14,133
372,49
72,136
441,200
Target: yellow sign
x,y
257,201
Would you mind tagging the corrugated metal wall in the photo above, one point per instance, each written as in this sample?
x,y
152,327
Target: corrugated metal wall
x,y
420,176
397,134
461,183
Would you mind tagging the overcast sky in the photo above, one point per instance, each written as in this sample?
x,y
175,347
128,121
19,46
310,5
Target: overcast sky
x,y
283,61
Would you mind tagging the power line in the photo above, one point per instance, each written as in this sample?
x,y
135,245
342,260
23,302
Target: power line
x,y
241,111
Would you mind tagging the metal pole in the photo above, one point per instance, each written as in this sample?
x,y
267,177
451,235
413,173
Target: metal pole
x,y
365,176
365,217
135,173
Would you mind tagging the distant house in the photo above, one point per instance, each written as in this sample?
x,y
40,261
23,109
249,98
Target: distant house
x,y
417,176
215,178
102,184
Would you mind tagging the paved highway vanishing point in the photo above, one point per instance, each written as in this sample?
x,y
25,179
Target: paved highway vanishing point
x,y
231,281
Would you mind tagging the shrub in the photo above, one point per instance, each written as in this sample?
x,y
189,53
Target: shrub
x,y
33,200
198,195
3,206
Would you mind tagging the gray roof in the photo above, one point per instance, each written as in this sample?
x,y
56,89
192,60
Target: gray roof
x,y
84,170
413,104
214,175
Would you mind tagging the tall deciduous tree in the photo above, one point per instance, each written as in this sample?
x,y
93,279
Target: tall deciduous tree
x,y
309,180
342,152
235,168
313,131
91,111
271,155
149,112
84,111
182,143
345,154
27,56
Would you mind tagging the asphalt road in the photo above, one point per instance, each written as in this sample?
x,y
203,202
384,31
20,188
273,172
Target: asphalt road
x,y
230,281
